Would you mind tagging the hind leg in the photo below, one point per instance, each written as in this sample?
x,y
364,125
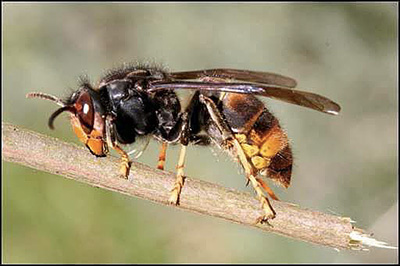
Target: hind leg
x,y
231,142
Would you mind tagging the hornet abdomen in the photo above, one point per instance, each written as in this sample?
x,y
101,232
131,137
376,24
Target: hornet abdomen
x,y
263,140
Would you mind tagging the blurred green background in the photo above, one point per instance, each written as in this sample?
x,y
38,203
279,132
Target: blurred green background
x,y
346,165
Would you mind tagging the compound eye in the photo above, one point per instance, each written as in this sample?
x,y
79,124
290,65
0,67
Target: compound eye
x,y
85,111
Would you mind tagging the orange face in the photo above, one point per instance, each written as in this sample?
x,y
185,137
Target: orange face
x,y
88,124
94,140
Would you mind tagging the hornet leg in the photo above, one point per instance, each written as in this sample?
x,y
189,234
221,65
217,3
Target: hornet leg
x,y
231,141
125,161
184,139
176,191
162,156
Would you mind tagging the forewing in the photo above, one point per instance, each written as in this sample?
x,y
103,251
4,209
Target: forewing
x,y
239,75
302,98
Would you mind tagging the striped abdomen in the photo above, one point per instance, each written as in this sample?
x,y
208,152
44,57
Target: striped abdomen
x,y
260,135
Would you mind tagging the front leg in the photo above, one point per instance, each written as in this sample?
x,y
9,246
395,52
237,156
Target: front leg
x,y
110,138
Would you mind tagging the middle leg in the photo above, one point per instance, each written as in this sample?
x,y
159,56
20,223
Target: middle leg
x,y
180,178
185,137
162,156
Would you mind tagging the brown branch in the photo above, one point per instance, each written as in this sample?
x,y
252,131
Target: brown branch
x,y
54,156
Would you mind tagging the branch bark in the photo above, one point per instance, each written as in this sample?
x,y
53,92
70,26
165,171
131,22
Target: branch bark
x,y
54,156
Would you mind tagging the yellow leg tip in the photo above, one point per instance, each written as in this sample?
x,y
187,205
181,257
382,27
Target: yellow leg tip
x,y
269,213
265,219
124,170
173,199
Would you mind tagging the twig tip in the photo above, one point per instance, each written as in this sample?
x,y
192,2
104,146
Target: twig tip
x,y
359,240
